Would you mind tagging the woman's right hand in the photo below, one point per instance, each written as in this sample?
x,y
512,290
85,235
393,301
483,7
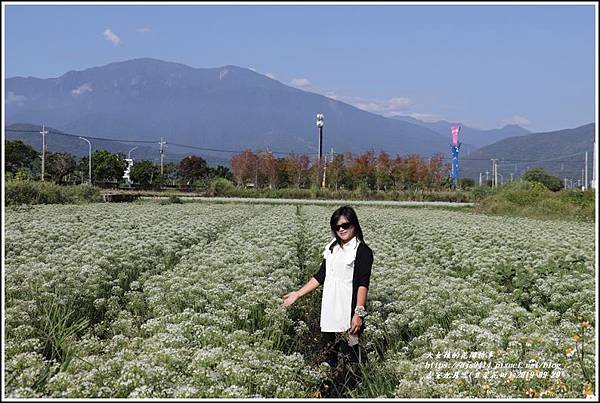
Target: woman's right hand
x,y
290,298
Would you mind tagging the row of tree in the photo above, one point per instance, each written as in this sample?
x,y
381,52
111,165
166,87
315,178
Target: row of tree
x,y
24,162
344,171
249,169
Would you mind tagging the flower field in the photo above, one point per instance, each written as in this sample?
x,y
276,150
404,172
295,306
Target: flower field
x,y
182,300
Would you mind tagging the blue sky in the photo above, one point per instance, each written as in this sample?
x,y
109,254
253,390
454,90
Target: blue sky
x,y
483,65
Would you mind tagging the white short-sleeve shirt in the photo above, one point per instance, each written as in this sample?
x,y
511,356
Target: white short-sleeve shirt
x,y
337,288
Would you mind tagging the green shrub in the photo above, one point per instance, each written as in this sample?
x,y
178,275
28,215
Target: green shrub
x,y
481,192
220,187
362,190
81,193
466,183
32,192
523,193
23,174
223,187
533,199
538,175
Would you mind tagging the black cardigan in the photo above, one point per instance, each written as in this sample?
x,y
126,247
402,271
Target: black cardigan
x,y
360,277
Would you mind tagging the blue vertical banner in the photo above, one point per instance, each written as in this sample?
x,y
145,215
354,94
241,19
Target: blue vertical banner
x,y
455,146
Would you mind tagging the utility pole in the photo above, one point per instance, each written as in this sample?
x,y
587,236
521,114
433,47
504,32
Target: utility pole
x,y
479,178
162,154
324,171
511,176
89,159
331,161
586,171
582,182
594,184
269,154
495,171
43,133
487,177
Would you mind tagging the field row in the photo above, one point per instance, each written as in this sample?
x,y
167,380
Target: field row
x,y
149,300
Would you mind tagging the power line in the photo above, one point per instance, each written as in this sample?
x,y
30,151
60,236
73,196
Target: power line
x,y
233,151
549,160
78,135
520,162
151,142
512,161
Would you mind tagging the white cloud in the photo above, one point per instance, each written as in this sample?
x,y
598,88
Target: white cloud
x,y
270,75
112,37
12,98
399,103
143,30
425,117
87,87
391,107
517,120
301,83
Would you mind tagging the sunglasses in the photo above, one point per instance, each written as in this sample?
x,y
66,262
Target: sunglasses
x,y
345,225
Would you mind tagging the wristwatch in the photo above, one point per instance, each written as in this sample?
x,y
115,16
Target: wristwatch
x,y
360,311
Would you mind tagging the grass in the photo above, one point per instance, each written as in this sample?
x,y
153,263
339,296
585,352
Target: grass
x,y
318,194
533,200
516,199
33,192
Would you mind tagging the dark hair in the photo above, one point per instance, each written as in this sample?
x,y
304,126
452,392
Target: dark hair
x,y
350,214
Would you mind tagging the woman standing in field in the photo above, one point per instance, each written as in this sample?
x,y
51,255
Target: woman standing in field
x,y
345,273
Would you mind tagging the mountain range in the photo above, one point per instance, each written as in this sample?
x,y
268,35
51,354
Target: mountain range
x,y
221,108
471,138
560,153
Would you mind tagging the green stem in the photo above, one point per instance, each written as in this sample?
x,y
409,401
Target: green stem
x,y
581,358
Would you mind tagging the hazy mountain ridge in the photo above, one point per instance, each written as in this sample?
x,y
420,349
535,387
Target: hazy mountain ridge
x,y
520,153
471,138
220,107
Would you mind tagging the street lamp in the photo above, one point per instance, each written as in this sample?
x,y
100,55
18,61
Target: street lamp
x,y
129,153
320,125
89,160
43,133
128,169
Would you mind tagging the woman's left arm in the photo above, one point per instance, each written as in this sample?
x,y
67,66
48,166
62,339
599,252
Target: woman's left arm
x,y
361,296
364,278
361,300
